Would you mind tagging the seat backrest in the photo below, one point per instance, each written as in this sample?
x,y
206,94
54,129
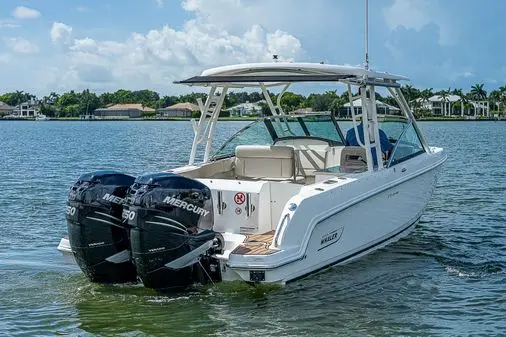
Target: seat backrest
x,y
333,156
353,159
264,162
310,154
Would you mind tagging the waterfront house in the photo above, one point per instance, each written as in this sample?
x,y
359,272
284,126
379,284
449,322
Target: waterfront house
x,y
5,109
122,111
246,109
450,105
28,109
178,110
381,107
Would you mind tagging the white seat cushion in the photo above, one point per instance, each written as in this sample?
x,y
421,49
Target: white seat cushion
x,y
257,161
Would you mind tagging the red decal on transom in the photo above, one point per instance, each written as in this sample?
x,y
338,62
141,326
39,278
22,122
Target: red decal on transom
x,y
239,198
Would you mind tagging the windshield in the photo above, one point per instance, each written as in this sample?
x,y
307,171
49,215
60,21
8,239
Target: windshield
x,y
255,133
270,130
393,127
319,126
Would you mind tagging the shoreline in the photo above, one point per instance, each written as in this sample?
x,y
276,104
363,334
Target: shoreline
x,y
233,119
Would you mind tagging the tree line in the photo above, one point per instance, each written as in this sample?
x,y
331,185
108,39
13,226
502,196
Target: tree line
x,y
73,104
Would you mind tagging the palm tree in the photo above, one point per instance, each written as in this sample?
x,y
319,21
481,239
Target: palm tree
x,y
444,98
410,92
478,92
502,101
457,92
425,95
464,104
495,98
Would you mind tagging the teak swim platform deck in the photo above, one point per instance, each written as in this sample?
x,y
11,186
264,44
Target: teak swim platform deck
x,y
256,244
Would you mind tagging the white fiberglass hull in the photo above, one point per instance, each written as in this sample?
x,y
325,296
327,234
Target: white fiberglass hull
x,y
337,238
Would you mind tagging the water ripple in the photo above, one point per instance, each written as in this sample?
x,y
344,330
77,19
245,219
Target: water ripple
x,y
447,278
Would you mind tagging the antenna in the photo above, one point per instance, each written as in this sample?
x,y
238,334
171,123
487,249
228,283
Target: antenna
x,y
366,64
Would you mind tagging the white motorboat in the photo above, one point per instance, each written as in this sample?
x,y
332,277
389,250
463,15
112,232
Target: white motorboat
x,y
41,117
285,196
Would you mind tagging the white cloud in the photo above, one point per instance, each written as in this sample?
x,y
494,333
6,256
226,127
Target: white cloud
x,y
408,14
60,31
313,18
9,24
21,46
4,58
159,3
416,15
22,12
82,9
160,56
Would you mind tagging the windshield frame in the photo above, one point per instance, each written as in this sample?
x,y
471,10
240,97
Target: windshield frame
x,y
268,124
391,162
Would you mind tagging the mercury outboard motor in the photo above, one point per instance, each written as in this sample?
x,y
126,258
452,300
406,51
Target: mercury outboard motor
x,y
98,238
172,244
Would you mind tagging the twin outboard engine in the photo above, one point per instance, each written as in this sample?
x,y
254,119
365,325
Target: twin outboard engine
x,y
97,235
172,244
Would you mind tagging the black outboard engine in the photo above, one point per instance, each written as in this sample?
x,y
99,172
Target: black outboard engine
x,y
172,244
98,238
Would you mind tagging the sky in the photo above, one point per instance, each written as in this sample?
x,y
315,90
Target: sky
x,y
105,45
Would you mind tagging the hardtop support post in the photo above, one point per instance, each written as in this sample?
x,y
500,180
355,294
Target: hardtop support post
x,y
365,123
202,129
213,121
268,99
353,118
399,98
278,99
375,126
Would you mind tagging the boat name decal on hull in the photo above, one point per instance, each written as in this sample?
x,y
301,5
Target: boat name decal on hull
x,y
331,238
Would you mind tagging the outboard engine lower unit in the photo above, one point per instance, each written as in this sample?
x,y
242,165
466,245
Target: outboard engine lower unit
x,y
98,238
172,244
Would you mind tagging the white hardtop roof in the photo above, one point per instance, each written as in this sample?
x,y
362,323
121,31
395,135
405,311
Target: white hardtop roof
x,y
286,72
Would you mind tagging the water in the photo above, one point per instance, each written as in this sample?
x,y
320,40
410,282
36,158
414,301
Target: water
x,y
447,278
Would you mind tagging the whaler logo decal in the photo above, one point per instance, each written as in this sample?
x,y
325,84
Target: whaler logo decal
x,y
331,238
185,205
113,198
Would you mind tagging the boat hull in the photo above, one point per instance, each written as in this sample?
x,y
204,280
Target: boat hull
x,y
349,233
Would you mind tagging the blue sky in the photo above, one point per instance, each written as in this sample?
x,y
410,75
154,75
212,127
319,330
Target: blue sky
x,y
104,45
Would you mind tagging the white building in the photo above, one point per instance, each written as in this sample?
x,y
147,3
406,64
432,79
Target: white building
x,y
381,108
453,105
27,109
246,109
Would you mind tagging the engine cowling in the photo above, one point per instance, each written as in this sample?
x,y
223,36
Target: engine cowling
x,y
171,238
98,237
